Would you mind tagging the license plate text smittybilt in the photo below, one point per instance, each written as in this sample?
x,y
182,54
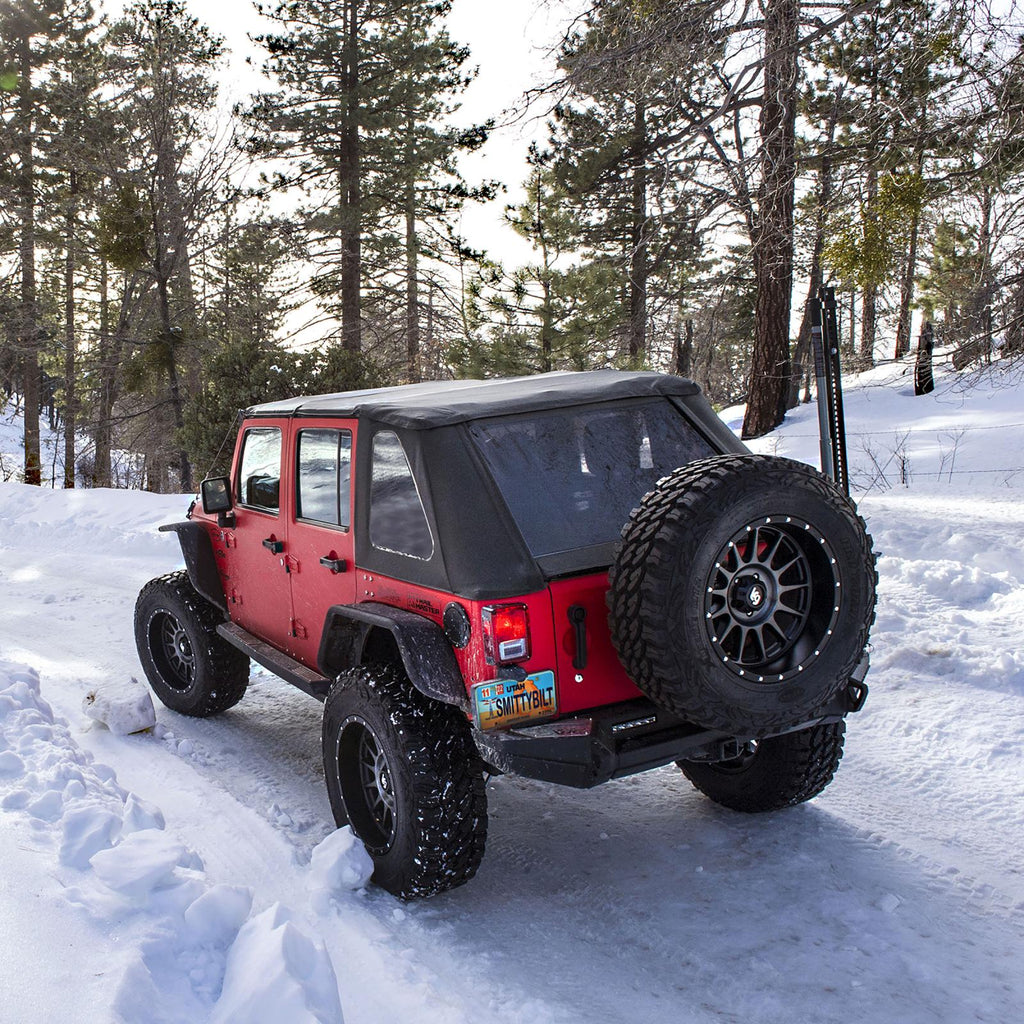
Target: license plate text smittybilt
x,y
502,703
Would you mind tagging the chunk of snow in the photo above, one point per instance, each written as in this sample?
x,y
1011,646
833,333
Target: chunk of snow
x,y
11,765
140,863
339,862
48,807
218,914
277,973
87,830
140,814
123,708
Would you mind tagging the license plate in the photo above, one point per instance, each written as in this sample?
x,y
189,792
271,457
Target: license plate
x,y
501,703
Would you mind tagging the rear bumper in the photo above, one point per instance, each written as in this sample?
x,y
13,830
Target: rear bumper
x,y
623,739
589,749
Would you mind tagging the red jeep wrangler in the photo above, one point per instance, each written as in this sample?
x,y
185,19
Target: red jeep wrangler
x,y
572,577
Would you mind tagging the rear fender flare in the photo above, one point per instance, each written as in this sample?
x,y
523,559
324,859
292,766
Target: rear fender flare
x,y
197,550
426,653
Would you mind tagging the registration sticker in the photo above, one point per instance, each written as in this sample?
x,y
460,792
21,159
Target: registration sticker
x,y
501,703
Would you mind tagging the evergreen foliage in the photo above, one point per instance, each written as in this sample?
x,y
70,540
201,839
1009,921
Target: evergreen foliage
x,y
165,262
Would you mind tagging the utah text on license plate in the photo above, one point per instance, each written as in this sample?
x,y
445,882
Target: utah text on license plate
x,y
500,703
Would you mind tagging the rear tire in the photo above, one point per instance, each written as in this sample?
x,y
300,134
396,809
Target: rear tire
x,y
189,665
781,771
402,770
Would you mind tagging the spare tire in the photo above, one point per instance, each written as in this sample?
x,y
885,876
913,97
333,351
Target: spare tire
x,y
742,593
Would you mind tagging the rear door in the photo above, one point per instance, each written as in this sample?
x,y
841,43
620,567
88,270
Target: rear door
x,y
602,679
256,584
320,548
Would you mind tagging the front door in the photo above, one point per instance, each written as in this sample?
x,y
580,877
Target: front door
x,y
256,584
320,548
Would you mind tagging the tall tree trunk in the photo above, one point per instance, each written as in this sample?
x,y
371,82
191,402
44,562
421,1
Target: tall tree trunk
x,y
986,285
802,353
869,300
851,337
773,244
639,231
683,346
70,370
909,273
111,350
907,290
101,436
28,319
351,193
412,270
170,337
547,313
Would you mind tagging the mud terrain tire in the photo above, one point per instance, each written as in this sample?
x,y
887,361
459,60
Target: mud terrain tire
x,y
742,593
403,771
780,772
189,665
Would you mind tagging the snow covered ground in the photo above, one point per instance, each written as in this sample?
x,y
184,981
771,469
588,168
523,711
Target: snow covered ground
x,y
180,874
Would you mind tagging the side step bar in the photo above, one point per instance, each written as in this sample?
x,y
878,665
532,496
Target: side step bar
x,y
290,670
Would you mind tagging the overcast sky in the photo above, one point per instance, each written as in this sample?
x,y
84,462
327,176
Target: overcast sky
x,y
509,41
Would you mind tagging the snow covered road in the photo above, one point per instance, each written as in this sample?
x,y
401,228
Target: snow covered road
x,y
896,895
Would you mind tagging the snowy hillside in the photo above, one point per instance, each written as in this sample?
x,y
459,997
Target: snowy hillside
x,y
181,874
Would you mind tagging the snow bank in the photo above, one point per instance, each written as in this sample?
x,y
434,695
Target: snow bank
x,y
121,865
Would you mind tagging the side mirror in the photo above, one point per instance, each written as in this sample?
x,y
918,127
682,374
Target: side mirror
x,y
216,494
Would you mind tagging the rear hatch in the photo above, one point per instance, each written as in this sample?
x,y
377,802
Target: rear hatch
x,y
570,478
589,672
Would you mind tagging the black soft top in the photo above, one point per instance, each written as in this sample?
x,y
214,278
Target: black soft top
x,y
444,403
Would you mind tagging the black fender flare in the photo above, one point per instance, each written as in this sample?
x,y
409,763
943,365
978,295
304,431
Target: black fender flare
x,y
197,549
425,651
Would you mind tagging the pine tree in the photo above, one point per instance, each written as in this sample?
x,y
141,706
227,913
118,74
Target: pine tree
x,y
366,88
168,181
32,34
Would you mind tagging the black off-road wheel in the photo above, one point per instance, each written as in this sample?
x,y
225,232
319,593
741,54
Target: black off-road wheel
x,y
774,773
742,594
403,771
189,665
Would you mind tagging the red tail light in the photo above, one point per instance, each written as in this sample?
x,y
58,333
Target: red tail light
x,y
506,633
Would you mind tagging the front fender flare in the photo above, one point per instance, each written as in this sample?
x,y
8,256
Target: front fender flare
x,y
197,550
426,653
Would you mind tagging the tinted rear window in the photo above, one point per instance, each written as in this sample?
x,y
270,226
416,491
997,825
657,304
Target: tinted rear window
x,y
571,477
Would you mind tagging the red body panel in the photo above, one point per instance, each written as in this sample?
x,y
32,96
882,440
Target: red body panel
x,y
603,681
432,603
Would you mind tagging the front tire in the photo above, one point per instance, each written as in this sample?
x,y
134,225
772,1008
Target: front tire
x,y
189,665
778,772
402,770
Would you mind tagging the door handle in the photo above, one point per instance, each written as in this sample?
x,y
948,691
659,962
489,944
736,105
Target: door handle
x,y
334,564
578,618
275,547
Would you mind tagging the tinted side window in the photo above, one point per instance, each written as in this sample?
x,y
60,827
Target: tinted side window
x,y
397,520
259,474
324,476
